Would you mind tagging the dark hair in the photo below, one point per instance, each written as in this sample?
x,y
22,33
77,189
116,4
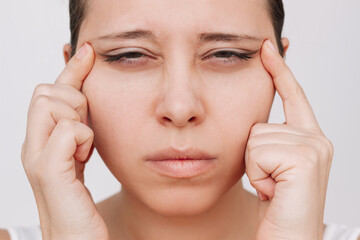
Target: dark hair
x,y
277,15
77,11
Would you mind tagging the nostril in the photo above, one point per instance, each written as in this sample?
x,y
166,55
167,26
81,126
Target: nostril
x,y
166,119
192,119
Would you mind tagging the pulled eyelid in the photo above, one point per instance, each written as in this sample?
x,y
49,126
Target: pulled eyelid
x,y
126,50
235,50
122,52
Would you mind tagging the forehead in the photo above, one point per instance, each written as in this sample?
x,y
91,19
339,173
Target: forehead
x,y
176,18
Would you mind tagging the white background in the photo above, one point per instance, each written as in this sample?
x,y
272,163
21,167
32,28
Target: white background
x,y
324,56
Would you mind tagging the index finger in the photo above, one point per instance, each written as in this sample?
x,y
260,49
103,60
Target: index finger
x,y
78,67
297,109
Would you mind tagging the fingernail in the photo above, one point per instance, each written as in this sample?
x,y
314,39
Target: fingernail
x,y
271,46
81,53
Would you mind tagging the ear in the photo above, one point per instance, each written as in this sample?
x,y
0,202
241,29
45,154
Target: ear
x,y
67,52
285,43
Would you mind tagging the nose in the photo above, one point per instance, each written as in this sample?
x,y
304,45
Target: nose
x,y
181,103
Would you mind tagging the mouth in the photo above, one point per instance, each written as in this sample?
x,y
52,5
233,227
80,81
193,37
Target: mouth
x,y
175,163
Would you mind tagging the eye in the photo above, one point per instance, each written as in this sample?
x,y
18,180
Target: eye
x,y
127,58
229,57
132,58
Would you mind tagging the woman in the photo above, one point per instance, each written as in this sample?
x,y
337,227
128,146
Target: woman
x,y
175,96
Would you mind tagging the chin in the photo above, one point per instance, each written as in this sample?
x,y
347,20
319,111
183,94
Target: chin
x,y
182,203
193,201
181,198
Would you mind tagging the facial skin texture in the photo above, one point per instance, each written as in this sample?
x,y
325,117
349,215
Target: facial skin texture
x,y
177,98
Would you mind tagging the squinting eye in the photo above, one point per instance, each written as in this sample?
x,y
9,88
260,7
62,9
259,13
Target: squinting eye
x,y
229,56
133,57
128,57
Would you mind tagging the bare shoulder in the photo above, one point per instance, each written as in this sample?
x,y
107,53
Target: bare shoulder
x,y
4,235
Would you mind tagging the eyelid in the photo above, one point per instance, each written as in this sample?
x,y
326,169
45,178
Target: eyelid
x,y
115,55
245,52
126,50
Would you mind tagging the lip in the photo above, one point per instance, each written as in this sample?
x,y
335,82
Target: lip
x,y
172,162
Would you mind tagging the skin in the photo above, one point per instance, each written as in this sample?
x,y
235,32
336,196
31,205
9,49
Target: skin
x,y
177,98
177,88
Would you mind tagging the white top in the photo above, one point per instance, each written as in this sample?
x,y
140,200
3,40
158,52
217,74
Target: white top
x,y
332,232
25,233
341,232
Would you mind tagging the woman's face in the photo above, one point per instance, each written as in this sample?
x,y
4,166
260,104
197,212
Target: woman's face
x,y
178,92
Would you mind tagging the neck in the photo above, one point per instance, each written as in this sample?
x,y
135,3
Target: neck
x,y
233,217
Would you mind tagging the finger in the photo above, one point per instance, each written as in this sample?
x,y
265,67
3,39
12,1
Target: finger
x,y
277,161
297,109
80,164
281,138
77,68
262,128
262,196
43,116
67,137
67,94
268,186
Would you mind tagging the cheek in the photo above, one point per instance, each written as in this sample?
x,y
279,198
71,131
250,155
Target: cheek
x,y
118,113
238,100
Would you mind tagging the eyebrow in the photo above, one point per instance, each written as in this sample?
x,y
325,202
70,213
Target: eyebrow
x,y
203,37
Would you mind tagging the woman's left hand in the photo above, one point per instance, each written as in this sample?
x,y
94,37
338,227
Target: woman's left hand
x,y
289,164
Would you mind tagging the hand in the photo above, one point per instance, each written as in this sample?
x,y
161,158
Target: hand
x,y
289,164
57,145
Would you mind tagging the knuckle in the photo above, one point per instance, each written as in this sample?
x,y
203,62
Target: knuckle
x,y
323,151
326,147
319,146
329,145
257,128
69,115
83,102
41,101
65,124
251,144
332,150
91,133
66,128
42,89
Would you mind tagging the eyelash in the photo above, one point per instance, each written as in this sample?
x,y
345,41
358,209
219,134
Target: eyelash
x,y
226,60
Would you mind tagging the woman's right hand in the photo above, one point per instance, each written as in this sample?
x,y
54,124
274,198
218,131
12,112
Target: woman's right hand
x,y
57,145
